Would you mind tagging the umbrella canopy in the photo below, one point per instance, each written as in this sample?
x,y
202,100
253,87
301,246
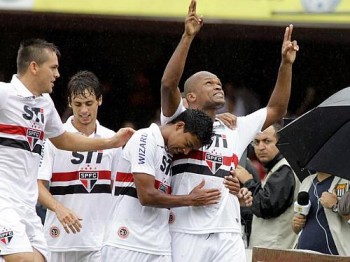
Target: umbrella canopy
x,y
319,140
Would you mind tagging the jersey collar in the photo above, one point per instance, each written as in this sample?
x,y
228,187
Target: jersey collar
x,y
20,87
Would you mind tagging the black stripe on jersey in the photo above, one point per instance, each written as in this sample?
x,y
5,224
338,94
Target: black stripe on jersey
x,y
4,141
129,191
197,169
79,189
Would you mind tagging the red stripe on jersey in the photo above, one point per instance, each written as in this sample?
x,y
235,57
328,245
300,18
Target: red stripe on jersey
x,y
124,177
18,130
71,176
162,187
227,161
200,155
13,130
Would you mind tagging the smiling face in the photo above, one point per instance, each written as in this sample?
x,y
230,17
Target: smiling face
x,y
265,145
204,91
85,108
179,142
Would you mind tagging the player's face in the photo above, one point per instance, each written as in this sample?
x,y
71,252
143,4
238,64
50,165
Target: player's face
x,y
85,108
265,145
208,91
182,143
47,73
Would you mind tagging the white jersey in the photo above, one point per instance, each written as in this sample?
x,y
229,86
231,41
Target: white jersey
x,y
81,181
133,226
25,120
212,164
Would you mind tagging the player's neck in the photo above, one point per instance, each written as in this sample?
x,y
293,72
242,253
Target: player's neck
x,y
209,111
86,130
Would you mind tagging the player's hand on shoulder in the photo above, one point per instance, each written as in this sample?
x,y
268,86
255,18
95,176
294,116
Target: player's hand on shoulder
x,y
122,136
228,119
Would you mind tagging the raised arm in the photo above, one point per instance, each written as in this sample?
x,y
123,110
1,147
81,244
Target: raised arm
x,y
170,93
278,103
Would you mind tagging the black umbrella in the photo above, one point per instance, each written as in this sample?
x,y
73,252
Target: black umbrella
x,y
319,140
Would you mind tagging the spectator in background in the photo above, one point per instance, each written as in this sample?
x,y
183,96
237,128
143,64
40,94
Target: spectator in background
x,y
79,195
273,197
246,211
239,100
323,229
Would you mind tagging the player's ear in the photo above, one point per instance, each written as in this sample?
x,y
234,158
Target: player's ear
x,y
191,97
100,101
180,125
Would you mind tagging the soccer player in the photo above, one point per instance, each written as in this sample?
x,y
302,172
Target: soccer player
x,y
213,233
79,195
27,116
139,228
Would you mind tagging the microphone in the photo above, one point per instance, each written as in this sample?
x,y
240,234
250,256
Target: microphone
x,y
303,204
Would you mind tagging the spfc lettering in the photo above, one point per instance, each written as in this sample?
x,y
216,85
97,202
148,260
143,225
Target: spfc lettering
x,y
33,136
6,236
88,179
214,162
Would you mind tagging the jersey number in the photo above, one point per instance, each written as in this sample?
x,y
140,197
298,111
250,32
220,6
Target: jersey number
x,y
166,165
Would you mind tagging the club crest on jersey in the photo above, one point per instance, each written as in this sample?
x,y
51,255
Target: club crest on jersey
x,y
54,232
33,136
171,218
214,162
123,232
6,235
88,179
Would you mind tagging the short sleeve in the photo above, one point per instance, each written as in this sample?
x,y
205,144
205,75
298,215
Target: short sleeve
x,y
46,161
141,151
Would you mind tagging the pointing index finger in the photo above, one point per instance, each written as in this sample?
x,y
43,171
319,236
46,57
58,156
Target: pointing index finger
x,y
192,7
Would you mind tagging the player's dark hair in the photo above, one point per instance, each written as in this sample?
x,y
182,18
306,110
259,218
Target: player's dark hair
x,y
33,50
81,82
197,123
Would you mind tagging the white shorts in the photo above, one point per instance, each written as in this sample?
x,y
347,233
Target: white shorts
x,y
214,247
21,230
114,254
76,256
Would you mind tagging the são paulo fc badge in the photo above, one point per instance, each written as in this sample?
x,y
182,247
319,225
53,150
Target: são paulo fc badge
x,y
123,232
6,235
33,136
214,162
88,179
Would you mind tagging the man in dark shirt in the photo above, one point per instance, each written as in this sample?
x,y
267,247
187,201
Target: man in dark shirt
x,y
274,196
